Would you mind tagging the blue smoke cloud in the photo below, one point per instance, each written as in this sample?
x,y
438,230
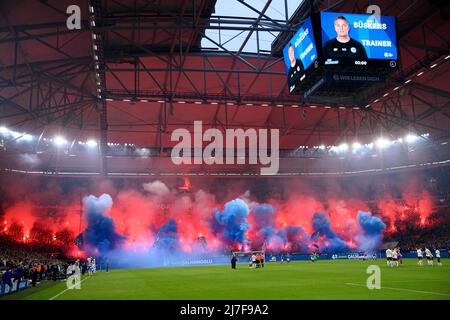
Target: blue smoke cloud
x,y
268,236
165,252
167,238
100,235
321,228
372,228
273,240
264,216
231,224
297,238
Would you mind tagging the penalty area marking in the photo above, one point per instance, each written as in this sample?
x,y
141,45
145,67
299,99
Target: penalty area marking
x,y
401,289
52,298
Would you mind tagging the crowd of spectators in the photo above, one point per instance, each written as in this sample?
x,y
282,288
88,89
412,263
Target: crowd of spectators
x,y
434,235
20,261
432,240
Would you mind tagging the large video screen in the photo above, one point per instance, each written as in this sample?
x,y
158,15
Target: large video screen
x,y
299,53
357,38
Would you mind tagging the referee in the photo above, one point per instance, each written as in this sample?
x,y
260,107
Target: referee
x,y
233,261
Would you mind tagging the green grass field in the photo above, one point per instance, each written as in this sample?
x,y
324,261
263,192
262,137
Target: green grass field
x,y
297,280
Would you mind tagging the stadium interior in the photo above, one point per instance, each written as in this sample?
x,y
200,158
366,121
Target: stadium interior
x,y
91,117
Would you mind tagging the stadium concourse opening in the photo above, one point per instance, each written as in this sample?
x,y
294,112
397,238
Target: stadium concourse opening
x,y
136,139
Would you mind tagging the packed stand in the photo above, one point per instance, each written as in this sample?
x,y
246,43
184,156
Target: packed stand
x,y
21,261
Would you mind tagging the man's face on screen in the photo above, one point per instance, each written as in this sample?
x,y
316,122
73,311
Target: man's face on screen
x,y
291,54
341,26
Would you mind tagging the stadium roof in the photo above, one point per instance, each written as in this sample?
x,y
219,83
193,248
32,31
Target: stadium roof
x,y
277,10
137,70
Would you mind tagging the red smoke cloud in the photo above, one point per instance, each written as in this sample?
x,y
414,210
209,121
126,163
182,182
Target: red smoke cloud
x,y
140,210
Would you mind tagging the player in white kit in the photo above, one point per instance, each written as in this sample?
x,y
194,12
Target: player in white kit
x,y
438,256
429,256
420,257
395,257
389,257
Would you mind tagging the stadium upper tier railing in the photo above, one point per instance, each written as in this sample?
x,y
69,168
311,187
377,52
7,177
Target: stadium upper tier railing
x,y
81,159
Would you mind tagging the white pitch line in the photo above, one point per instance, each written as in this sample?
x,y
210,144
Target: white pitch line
x,y
66,290
401,289
421,280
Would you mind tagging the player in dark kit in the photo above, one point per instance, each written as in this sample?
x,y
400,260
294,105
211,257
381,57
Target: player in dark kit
x,y
295,68
343,47
233,261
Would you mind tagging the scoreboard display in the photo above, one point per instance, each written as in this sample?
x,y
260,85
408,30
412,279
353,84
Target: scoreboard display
x,y
332,47
358,39
299,53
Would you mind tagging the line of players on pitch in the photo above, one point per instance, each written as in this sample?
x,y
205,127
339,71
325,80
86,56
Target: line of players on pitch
x,y
75,268
256,261
394,257
429,256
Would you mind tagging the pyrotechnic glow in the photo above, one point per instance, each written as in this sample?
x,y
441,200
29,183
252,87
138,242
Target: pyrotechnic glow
x,y
158,221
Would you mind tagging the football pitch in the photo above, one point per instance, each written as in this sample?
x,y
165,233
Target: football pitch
x,y
297,280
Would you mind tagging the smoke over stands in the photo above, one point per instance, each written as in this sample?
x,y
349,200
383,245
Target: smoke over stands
x,y
152,223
